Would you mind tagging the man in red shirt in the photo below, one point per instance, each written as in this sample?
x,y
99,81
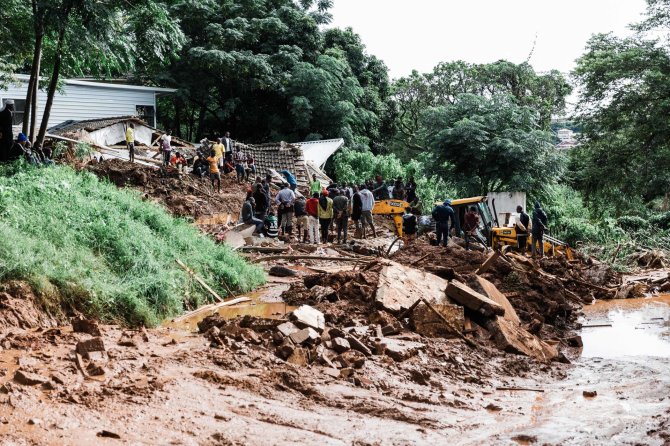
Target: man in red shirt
x,y
312,209
471,226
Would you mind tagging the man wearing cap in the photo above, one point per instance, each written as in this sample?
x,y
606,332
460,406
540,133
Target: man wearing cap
x,y
442,214
7,137
22,147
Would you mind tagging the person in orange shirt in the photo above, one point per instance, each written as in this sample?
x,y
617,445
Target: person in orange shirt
x,y
214,174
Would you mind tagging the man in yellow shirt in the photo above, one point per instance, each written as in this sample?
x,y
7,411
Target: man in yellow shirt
x,y
130,141
218,151
214,173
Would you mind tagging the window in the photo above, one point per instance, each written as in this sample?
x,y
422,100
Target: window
x,y
19,108
146,113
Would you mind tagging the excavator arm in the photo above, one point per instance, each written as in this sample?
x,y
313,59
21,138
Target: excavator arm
x,y
393,208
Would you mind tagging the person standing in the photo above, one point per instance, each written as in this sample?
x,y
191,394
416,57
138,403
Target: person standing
x,y
219,150
410,190
251,166
443,214
6,130
248,214
260,199
341,214
539,227
285,200
325,215
301,217
522,226
314,185
214,174
130,141
312,209
228,143
409,226
356,209
240,160
399,189
166,147
381,191
367,204
470,226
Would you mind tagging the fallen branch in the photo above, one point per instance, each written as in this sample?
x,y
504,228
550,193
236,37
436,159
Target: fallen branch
x,y
299,257
210,307
520,389
416,262
200,281
596,325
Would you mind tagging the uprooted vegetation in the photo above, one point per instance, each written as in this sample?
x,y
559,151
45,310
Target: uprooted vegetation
x,y
84,245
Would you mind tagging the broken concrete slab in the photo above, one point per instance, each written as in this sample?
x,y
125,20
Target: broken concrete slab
x,y
511,337
305,336
495,295
306,316
401,286
341,345
320,293
90,345
85,326
287,328
29,379
400,350
473,300
429,324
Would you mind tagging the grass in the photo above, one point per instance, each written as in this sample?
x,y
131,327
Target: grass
x,y
84,244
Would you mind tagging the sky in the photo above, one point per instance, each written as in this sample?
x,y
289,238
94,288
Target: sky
x,y
418,34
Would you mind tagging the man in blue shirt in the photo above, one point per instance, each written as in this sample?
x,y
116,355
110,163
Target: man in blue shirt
x,y
442,214
290,179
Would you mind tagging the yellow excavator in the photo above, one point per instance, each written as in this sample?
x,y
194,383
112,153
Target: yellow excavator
x,y
394,208
498,236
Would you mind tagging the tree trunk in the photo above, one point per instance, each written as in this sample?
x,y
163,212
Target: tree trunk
x,y
177,117
53,84
37,66
201,121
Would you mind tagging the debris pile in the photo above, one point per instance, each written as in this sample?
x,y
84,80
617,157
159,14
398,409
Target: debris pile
x,y
184,195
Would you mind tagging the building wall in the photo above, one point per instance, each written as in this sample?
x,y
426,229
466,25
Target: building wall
x,y
81,102
506,203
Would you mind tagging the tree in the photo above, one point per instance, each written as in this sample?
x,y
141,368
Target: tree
x,y
544,93
490,144
624,160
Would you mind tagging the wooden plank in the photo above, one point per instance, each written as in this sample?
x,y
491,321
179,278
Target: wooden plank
x,y
494,294
299,257
199,280
488,263
473,300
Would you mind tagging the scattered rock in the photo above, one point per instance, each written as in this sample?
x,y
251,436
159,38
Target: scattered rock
x,y
513,338
282,271
493,407
305,336
108,434
320,293
356,344
427,323
90,345
86,326
341,345
590,393
34,421
575,341
332,372
95,369
287,328
306,316
298,357
400,350
29,379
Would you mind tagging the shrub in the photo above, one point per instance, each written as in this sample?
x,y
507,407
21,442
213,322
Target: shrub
x,y
632,223
660,220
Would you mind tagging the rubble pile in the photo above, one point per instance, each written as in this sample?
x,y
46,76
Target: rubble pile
x,y
184,195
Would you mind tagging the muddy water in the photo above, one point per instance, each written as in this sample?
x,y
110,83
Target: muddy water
x,y
625,363
265,302
639,327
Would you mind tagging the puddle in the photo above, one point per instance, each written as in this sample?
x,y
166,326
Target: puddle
x,y
265,303
639,327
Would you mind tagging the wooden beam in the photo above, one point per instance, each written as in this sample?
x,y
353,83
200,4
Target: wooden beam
x,y
199,280
488,263
298,257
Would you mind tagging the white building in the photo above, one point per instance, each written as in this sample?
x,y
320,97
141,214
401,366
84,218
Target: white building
x,y
83,100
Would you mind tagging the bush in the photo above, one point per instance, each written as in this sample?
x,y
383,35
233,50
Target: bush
x,y
85,244
632,223
660,220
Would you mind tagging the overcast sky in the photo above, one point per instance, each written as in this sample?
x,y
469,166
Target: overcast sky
x,y
418,34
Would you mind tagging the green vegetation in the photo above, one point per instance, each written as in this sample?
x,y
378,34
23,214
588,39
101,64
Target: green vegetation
x,y
84,244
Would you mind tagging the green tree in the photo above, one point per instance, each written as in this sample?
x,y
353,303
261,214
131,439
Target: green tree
x,y
624,161
490,144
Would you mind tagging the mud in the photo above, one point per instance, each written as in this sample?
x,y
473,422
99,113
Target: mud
x,y
184,195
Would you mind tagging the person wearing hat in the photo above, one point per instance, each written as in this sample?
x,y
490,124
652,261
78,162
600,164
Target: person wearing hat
x,y
443,214
22,147
7,135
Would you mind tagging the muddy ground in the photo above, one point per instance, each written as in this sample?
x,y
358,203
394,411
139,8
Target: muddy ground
x,y
229,384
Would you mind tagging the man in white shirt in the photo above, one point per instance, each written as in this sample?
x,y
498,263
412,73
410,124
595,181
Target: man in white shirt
x,y
367,203
284,200
227,143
